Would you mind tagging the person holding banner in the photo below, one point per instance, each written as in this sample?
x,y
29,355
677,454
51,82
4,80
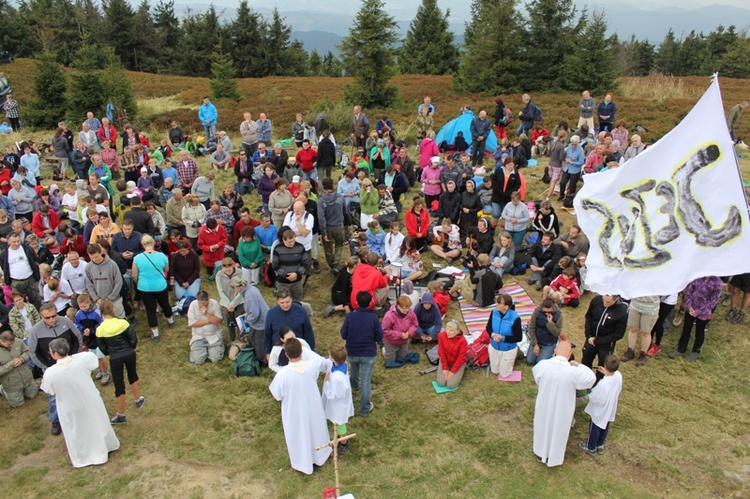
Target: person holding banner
x,y
734,116
701,297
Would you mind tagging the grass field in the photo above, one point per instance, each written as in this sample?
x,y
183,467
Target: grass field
x,y
681,428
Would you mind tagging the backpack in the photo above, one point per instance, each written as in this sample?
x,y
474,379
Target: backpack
x,y
537,113
508,116
478,354
269,276
432,355
182,305
246,363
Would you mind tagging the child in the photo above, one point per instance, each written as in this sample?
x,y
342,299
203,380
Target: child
x,y
481,285
393,242
358,241
169,172
376,239
564,289
441,297
337,394
159,225
250,255
87,319
146,184
342,289
295,188
409,259
603,405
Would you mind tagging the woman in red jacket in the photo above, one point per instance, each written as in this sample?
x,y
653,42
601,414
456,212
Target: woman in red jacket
x,y
452,348
417,221
211,240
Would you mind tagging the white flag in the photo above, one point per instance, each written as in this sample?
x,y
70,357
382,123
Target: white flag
x,y
673,213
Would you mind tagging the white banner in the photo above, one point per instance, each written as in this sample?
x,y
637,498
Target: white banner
x,y
673,213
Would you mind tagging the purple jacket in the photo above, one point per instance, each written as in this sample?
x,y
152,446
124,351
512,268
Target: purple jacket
x,y
431,173
394,324
265,186
702,295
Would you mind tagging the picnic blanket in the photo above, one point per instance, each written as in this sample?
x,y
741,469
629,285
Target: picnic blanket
x,y
476,318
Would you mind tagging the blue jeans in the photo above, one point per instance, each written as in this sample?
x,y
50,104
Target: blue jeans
x,y
545,352
52,403
597,436
210,130
497,210
432,331
312,174
500,270
243,189
517,237
191,290
366,365
524,130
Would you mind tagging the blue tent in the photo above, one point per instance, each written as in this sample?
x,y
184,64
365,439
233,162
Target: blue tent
x,y
463,124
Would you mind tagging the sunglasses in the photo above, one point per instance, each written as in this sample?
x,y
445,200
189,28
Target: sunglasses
x,y
48,317
227,265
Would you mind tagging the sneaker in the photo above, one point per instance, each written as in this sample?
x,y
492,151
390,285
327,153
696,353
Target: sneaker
x,y
642,357
119,419
585,448
726,300
678,318
170,324
600,450
343,449
693,356
56,429
139,402
156,339
730,315
654,350
315,267
99,375
328,311
629,355
372,406
738,317
676,354
335,271
105,379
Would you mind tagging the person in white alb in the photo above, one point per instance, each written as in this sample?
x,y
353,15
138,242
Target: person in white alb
x,y
74,272
393,242
558,379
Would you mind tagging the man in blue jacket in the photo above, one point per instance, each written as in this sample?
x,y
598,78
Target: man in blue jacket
x,y
480,129
606,112
208,115
286,313
574,160
362,332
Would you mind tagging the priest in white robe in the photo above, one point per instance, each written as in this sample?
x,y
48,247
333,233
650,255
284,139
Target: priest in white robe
x,y
85,424
558,380
302,413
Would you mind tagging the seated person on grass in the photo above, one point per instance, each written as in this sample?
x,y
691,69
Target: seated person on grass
x,y
564,289
446,240
342,289
429,321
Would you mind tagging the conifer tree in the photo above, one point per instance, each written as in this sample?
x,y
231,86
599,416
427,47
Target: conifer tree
x,y
223,80
315,64
246,44
118,87
667,57
47,107
592,65
429,47
87,93
169,34
491,62
367,54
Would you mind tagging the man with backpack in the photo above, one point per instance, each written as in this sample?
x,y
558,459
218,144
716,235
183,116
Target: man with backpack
x,y
528,116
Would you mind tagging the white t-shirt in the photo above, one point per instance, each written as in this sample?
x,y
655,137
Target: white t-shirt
x,y
18,264
75,276
291,221
25,314
60,302
70,201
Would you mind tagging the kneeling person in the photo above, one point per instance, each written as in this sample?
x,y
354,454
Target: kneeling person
x,y
204,317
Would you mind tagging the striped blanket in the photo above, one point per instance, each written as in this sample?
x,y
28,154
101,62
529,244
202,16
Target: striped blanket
x,y
476,318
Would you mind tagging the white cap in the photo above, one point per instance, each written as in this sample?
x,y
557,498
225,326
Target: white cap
x,y
295,179
435,159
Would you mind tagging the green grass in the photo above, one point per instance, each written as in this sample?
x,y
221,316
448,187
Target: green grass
x,y
681,428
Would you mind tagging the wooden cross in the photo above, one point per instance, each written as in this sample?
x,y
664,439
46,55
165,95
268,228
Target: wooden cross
x,y
335,445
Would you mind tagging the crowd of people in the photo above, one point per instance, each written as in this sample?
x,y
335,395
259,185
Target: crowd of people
x,y
143,227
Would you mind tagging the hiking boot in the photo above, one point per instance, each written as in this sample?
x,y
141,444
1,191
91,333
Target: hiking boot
x,y
738,317
731,314
676,354
629,355
585,448
343,449
726,300
600,450
56,429
328,311
642,357
139,402
654,350
693,356
105,379
119,419
315,267
335,271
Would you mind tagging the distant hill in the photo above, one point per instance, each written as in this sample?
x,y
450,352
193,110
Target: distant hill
x,y
321,41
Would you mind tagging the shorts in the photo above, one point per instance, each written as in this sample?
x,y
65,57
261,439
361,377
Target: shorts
x,y
644,322
742,282
554,173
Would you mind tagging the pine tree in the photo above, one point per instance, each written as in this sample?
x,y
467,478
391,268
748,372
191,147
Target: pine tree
x,y
692,54
718,42
551,36
146,53
296,60
315,64
277,44
592,65
169,34
202,32
48,105
734,63
491,61
429,47
246,44
667,57
331,65
87,93
118,88
223,80
642,58
120,30
367,54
